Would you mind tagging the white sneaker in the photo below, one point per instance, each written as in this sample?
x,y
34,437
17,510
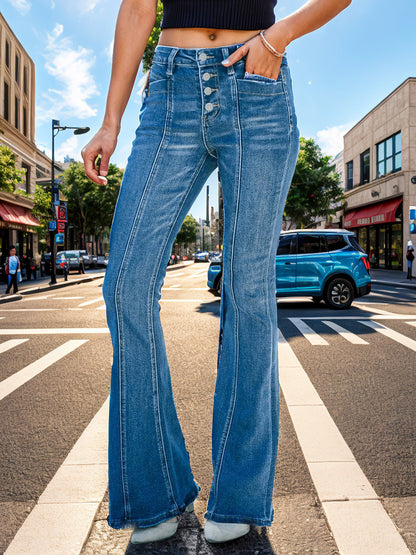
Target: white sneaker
x,y
217,532
160,532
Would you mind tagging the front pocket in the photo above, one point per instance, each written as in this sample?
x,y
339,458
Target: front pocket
x,y
157,73
257,77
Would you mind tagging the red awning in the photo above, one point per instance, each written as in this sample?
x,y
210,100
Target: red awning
x,y
16,214
380,213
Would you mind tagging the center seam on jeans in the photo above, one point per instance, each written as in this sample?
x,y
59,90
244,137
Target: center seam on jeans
x,y
229,420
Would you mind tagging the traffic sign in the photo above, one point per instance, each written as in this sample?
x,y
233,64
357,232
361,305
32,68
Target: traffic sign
x,y
59,238
52,225
61,226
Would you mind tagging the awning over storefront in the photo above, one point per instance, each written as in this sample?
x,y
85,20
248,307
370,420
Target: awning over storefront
x,y
380,213
16,214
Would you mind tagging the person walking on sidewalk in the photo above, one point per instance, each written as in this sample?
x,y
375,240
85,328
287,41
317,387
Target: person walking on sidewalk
x,y
218,95
13,270
410,256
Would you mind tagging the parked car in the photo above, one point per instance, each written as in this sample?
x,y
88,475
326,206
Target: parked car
x,y
72,260
102,261
201,256
89,260
327,265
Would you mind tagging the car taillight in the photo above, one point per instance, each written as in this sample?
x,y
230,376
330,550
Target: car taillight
x,y
366,263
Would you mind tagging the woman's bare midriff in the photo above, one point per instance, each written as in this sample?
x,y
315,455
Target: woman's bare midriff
x,y
201,37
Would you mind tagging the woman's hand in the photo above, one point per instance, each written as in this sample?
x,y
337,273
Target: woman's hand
x,y
259,59
104,142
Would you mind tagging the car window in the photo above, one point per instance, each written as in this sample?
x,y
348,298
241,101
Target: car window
x,y
336,242
287,245
310,243
355,244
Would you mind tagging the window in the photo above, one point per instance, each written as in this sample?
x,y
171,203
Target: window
x,y
389,155
365,167
349,175
7,54
355,243
309,244
16,112
25,80
17,69
6,102
287,245
335,242
27,177
24,121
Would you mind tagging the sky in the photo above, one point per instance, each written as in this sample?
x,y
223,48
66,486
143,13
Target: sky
x,y
339,71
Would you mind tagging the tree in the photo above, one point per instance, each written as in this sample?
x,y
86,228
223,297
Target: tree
x,y
90,205
42,211
315,190
153,38
188,232
10,176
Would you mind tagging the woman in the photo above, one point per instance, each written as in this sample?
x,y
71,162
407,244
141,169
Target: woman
x,y
410,257
13,270
219,94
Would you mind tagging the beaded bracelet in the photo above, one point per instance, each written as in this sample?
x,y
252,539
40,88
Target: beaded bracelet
x,y
270,47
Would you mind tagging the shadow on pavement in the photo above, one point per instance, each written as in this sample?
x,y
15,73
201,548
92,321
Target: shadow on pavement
x,y
189,539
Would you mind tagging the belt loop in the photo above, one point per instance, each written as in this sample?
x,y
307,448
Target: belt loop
x,y
226,53
171,57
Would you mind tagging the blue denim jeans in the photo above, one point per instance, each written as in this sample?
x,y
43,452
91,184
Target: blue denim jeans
x,y
198,115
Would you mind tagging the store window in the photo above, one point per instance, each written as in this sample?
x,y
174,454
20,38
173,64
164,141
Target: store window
x,y
365,167
349,175
389,155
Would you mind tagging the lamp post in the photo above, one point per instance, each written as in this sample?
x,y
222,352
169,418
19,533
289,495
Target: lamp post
x,y
55,190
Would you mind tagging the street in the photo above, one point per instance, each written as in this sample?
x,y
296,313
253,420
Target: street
x,y
346,473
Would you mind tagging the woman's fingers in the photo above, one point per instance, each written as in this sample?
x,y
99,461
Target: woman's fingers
x,y
237,55
89,155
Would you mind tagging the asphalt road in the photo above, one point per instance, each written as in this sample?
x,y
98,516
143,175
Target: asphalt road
x,y
360,362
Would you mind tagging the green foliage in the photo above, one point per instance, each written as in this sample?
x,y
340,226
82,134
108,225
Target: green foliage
x,y
188,232
153,39
10,176
90,206
42,211
315,190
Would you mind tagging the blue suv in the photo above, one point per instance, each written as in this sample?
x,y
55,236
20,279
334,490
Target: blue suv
x,y
327,265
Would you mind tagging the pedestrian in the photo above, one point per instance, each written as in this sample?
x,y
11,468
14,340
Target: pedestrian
x,y
410,257
218,95
13,270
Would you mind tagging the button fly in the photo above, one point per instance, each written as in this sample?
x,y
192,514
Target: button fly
x,y
209,107
203,56
207,90
206,76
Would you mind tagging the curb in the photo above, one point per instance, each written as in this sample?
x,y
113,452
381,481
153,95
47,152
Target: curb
x,y
394,283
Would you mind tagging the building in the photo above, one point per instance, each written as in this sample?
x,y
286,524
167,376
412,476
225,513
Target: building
x,y
17,124
380,159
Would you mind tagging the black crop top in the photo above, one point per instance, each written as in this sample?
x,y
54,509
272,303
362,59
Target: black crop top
x,y
218,14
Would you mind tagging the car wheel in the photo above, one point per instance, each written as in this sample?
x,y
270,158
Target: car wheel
x,y
339,293
317,300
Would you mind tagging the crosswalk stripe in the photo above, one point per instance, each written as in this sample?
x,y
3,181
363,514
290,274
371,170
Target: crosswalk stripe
x,y
102,307
375,310
87,303
411,323
13,382
388,332
351,337
313,337
10,344
52,331
61,520
355,514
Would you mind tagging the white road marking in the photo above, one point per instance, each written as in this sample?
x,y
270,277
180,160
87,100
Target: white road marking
x,y
411,323
396,336
16,380
10,344
28,309
52,331
354,512
102,307
313,337
66,298
37,298
61,520
174,285
175,274
374,317
375,310
189,300
349,336
87,303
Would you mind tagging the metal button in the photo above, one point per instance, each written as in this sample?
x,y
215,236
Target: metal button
x,y
207,90
203,56
209,107
206,76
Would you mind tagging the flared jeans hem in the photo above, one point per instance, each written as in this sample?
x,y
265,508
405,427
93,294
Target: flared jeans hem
x,y
238,519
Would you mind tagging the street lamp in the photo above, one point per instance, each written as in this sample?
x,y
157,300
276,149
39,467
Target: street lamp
x,y
55,190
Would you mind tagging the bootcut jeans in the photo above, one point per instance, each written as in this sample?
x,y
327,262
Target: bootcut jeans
x,y
198,115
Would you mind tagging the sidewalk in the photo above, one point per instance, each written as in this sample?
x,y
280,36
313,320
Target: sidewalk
x,y
392,277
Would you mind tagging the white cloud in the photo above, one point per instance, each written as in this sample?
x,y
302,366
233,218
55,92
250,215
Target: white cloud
x,y
331,139
23,6
109,51
75,86
71,148
85,6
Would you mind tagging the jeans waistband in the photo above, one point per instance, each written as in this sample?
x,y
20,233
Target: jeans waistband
x,y
196,56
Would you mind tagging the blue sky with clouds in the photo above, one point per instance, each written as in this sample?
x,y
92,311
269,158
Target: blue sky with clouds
x,y
339,72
